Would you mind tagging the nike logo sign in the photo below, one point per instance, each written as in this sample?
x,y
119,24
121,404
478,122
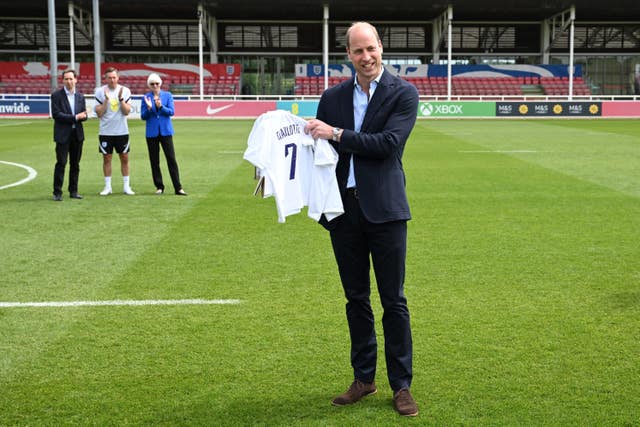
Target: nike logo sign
x,y
212,111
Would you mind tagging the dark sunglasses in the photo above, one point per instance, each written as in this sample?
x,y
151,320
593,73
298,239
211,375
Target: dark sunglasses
x,y
154,84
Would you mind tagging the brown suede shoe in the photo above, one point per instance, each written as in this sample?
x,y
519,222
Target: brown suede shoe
x,y
404,403
356,391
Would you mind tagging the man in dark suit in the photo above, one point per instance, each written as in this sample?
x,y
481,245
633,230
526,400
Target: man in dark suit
x,y
369,119
68,110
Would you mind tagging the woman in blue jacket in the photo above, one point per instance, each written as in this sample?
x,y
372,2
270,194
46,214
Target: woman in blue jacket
x,y
156,110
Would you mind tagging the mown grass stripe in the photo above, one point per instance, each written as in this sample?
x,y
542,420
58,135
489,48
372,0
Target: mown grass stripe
x,y
119,302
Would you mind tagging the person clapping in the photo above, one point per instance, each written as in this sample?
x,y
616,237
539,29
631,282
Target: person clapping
x,y
157,109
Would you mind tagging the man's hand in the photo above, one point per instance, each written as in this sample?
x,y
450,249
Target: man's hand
x,y
319,129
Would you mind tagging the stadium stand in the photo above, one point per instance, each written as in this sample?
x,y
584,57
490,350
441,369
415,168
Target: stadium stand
x,y
467,86
314,85
217,85
230,85
13,83
560,86
264,41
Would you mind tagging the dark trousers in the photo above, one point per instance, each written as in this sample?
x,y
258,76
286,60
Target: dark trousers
x,y
354,241
72,150
153,144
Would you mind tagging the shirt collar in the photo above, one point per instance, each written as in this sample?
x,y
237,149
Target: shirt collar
x,y
67,92
377,79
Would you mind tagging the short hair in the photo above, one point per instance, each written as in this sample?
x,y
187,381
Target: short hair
x,y
358,24
110,70
153,78
69,70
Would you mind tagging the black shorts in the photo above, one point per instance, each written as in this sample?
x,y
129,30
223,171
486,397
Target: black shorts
x,y
106,144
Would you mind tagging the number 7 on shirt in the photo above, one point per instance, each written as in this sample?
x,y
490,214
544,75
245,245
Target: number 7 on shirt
x,y
294,153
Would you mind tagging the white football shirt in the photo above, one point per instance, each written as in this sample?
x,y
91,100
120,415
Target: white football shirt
x,y
297,170
113,122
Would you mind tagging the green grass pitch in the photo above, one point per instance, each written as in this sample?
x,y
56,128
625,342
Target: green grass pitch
x,y
523,280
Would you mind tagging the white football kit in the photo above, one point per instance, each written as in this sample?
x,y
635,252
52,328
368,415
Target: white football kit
x,y
113,122
297,170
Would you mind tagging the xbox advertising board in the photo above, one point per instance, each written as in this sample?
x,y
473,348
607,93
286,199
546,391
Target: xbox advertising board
x,y
456,109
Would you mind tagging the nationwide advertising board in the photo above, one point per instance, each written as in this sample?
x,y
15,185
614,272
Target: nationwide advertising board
x,y
548,109
456,109
24,108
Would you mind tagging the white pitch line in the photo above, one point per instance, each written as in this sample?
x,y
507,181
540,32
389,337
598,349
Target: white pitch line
x,y
32,174
499,151
15,124
120,303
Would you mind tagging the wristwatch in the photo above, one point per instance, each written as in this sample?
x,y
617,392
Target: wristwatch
x,y
336,133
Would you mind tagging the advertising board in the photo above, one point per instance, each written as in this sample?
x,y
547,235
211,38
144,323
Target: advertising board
x,y
456,109
548,109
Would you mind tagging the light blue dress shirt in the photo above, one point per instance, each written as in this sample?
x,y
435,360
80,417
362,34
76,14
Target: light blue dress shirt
x,y
71,96
360,104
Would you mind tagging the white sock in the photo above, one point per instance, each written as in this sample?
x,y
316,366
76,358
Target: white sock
x,y
107,181
125,179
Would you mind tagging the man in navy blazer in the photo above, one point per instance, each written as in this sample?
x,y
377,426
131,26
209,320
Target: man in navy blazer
x,y
369,119
68,110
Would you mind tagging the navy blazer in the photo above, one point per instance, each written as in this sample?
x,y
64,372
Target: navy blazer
x,y
64,118
377,149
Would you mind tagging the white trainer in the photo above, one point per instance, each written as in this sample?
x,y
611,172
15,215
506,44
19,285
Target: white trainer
x,y
106,191
128,191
